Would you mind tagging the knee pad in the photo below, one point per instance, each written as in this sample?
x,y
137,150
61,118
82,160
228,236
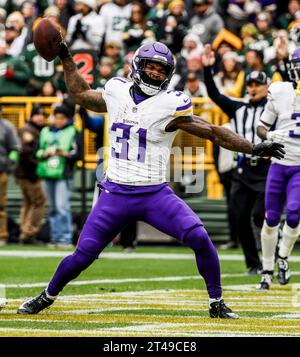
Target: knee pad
x,y
273,218
81,260
292,214
198,239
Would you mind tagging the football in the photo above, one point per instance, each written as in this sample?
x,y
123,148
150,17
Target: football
x,y
47,39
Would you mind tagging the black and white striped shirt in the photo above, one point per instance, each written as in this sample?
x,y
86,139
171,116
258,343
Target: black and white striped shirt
x,y
244,116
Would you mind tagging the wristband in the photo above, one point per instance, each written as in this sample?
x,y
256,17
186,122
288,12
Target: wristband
x,y
64,51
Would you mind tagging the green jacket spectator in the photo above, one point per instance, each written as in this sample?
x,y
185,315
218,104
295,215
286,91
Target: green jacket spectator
x,y
14,74
138,29
59,149
41,70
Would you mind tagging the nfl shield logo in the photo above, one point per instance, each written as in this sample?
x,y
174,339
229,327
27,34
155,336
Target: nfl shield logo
x,y
134,109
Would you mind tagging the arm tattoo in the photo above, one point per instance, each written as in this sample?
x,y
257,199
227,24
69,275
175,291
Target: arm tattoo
x,y
217,134
230,140
79,88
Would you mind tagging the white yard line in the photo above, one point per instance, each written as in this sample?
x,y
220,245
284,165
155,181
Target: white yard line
x,y
286,316
148,330
120,255
107,281
138,280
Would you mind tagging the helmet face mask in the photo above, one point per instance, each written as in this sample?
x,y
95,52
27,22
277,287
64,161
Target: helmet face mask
x,y
152,53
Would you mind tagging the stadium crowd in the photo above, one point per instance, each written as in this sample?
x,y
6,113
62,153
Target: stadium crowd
x,y
246,36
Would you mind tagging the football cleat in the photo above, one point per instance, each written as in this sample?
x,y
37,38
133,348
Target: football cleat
x,y
266,280
35,305
283,271
218,309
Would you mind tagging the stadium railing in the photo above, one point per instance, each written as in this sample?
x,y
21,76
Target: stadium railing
x,y
18,109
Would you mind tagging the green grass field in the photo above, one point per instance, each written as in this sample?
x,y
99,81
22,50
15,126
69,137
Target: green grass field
x,y
150,292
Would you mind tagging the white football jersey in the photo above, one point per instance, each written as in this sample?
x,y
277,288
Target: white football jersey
x,y
139,146
283,109
92,27
114,19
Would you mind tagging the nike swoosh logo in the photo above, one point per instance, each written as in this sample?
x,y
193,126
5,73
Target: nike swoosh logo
x,y
186,100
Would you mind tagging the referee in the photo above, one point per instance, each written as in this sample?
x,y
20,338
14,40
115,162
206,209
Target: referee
x,y
249,177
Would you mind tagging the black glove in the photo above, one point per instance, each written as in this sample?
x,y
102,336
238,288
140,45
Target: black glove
x,y
64,51
269,148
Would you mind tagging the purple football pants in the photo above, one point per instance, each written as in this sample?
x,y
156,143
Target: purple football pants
x,y
163,210
283,186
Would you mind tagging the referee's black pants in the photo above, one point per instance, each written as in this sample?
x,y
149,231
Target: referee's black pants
x,y
248,202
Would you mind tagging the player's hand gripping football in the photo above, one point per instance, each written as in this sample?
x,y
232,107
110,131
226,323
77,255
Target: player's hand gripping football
x,y
64,51
49,41
269,148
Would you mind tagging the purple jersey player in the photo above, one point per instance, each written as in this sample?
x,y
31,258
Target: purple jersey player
x,y
283,181
143,119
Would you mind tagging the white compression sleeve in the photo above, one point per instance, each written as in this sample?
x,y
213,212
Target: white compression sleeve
x,y
269,238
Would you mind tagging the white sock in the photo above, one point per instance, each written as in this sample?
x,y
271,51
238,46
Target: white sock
x,y
214,300
289,237
269,238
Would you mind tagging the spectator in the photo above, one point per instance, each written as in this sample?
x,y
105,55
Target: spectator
x,y
14,74
248,35
138,30
49,90
126,69
114,51
172,27
254,61
59,149
282,47
12,37
41,70
114,18
18,33
194,87
190,42
157,9
29,15
34,200
84,29
206,22
106,70
66,11
265,33
128,237
53,14
9,154
230,78
226,41
238,13
286,19
3,14
194,65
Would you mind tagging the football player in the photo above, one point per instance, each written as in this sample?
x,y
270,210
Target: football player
x,y
283,181
144,117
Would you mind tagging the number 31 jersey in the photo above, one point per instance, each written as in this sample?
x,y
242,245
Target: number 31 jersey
x,y
139,146
283,109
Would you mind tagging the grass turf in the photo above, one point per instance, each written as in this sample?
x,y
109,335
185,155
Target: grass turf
x,y
146,307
